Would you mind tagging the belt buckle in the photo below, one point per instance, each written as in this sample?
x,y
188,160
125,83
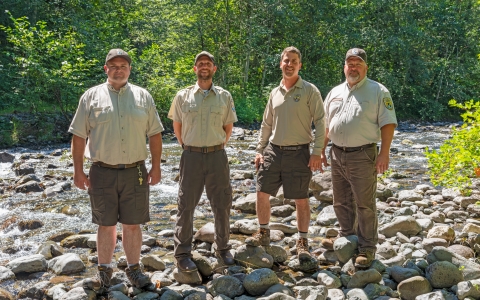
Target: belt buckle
x,y
204,149
121,167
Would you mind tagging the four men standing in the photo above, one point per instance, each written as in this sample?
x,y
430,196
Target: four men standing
x,y
116,117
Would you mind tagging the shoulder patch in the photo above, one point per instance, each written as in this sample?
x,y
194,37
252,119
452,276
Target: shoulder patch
x,y
388,103
233,105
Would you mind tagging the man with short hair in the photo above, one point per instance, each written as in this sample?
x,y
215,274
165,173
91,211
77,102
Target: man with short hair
x,y
283,151
359,113
203,115
117,117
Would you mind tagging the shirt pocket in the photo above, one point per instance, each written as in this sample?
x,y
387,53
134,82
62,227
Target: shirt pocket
x,y
216,114
360,109
100,115
190,113
139,114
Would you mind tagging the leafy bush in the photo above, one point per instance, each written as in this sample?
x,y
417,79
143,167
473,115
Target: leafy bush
x,y
458,159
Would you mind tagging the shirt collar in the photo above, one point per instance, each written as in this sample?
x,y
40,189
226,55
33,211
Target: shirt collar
x,y
358,85
122,89
298,84
197,88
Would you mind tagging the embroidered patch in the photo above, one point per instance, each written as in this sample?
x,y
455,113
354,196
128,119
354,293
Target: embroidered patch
x,y
296,98
233,108
388,103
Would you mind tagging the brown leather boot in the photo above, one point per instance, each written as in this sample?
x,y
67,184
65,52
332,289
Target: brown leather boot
x,y
136,277
185,264
302,249
100,280
327,243
364,258
259,238
225,256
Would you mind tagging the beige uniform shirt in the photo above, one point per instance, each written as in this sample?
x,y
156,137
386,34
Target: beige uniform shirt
x,y
355,115
288,117
203,115
116,123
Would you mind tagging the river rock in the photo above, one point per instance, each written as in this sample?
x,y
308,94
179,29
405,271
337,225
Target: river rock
x,y
50,249
335,294
54,190
443,274
375,291
241,174
246,204
404,224
153,262
429,243
254,257
29,225
319,292
58,237
27,178
226,285
204,265
206,233
28,264
327,216
412,287
6,157
117,295
69,263
278,288
437,295
37,291
470,269
386,250
426,224
357,294
76,241
308,265
282,211
6,274
79,293
259,281
275,296
345,247
383,192
246,226
23,169
187,277
461,250
470,289
31,186
278,253
285,228
471,228
5,295
409,195
328,279
361,278
399,274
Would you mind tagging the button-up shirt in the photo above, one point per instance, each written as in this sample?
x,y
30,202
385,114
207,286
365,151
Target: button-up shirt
x,y
203,115
288,117
116,123
355,114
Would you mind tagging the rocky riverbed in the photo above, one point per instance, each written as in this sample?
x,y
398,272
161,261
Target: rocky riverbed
x,y
428,237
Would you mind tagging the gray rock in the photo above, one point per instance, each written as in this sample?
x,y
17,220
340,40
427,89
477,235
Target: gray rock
x,y
374,290
285,228
79,293
404,224
56,291
335,294
6,157
470,269
443,274
241,174
116,295
254,257
429,243
166,233
28,264
282,211
327,216
328,279
153,262
278,253
76,241
318,292
426,224
146,296
69,263
471,228
206,233
386,250
37,291
404,211
276,235
357,294
279,288
437,295
27,178
246,226
409,195
461,250
259,281
5,295
345,247
162,278
275,296
399,274
23,169
50,249
187,277
31,186
6,274
171,295
412,287
468,289
226,285
304,266
383,192
361,278
246,204
397,260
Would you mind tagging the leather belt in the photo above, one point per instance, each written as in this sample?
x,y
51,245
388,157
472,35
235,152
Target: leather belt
x,y
353,149
120,166
292,148
203,149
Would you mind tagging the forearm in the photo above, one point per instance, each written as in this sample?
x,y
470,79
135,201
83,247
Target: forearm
x,y
155,142
228,132
326,139
177,129
78,151
387,132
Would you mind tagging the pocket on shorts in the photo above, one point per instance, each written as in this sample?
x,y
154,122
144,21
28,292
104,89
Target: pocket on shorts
x,y
141,197
97,200
298,184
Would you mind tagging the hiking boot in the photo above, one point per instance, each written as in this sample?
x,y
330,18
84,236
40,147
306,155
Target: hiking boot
x,y
225,256
364,258
185,264
100,280
259,238
328,243
136,277
302,249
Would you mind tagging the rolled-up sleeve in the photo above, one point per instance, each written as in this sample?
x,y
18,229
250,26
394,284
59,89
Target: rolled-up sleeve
x,y
231,116
318,114
80,126
266,127
155,125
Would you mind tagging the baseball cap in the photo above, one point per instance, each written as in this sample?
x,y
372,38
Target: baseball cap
x,y
360,53
204,53
118,53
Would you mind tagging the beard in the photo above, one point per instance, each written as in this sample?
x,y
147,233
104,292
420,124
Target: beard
x,y
206,76
353,77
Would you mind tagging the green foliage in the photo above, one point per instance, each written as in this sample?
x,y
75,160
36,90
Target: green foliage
x,y
458,159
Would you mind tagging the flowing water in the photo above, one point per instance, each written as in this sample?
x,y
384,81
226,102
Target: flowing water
x,y
70,210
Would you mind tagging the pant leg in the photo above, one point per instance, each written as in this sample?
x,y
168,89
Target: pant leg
x,y
190,190
362,174
219,192
343,202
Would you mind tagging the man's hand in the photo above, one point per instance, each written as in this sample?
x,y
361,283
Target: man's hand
x,y
258,161
382,163
324,159
81,180
315,163
154,176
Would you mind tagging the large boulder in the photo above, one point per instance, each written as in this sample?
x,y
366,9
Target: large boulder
x,y
404,224
259,281
28,264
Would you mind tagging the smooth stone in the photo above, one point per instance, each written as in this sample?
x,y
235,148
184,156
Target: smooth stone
x,y
153,262
187,277
259,281
255,257
399,274
279,288
361,278
404,224
412,287
226,285
345,247
79,293
206,233
326,216
470,269
329,279
468,289
278,253
429,243
28,264
6,274
443,274
69,263
318,292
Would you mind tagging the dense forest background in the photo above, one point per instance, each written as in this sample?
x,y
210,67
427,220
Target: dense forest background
x,y
424,51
